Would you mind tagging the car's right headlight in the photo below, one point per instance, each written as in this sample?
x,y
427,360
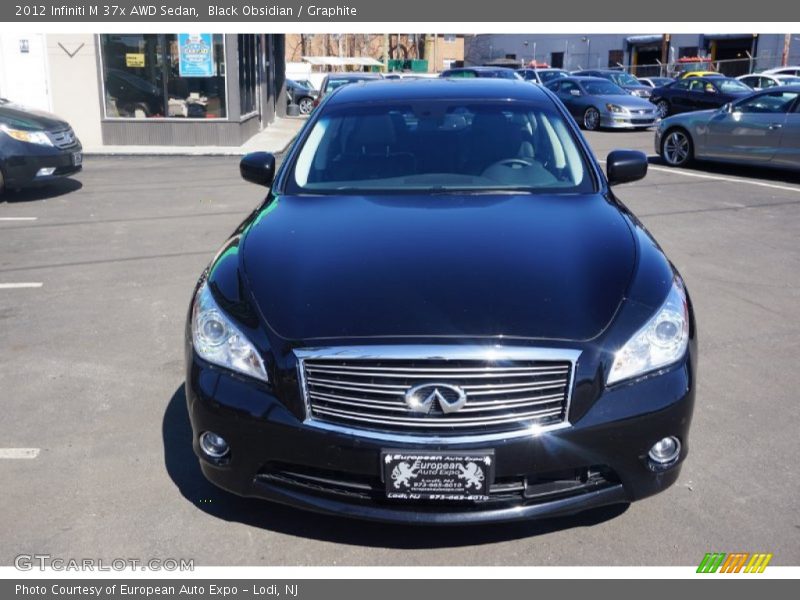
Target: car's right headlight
x,y
616,108
23,135
217,340
661,342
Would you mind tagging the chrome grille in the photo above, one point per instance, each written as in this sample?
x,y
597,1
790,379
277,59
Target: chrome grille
x,y
507,389
64,138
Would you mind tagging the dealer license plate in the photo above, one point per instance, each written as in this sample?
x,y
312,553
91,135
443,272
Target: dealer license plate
x,y
437,476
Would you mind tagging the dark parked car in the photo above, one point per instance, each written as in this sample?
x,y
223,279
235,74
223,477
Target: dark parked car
x,y
597,102
697,93
473,72
624,80
337,80
302,96
542,76
758,130
441,314
35,147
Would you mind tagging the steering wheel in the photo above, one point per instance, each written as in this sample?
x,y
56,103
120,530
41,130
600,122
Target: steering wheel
x,y
510,163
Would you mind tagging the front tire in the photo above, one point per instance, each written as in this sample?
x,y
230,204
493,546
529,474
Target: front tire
x,y
591,119
662,107
306,106
677,149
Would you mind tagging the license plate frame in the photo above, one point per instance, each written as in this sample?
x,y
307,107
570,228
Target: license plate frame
x,y
445,476
77,159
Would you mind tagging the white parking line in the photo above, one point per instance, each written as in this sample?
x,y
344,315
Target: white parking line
x,y
19,453
18,218
728,179
15,286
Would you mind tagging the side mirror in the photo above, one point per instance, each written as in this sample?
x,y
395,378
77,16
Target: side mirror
x,y
623,166
258,168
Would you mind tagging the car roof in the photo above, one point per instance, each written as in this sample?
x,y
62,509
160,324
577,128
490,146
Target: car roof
x,y
354,76
585,79
439,89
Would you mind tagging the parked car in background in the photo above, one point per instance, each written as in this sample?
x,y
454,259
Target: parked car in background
x,y
306,83
690,74
763,81
302,96
35,147
655,82
542,76
473,72
697,93
624,80
339,359
596,102
787,70
762,129
337,80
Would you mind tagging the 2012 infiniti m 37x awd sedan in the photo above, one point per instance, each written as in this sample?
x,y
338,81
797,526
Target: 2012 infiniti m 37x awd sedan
x,y
441,314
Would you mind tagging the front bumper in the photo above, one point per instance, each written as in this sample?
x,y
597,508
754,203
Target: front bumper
x,y
23,162
627,121
276,456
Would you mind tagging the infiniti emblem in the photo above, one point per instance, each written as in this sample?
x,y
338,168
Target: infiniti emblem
x,y
421,398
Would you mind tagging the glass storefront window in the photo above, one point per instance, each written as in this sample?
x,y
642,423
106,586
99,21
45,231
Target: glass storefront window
x,y
151,76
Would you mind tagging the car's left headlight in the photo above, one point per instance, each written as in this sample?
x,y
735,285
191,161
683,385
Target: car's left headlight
x,y
31,137
217,340
661,342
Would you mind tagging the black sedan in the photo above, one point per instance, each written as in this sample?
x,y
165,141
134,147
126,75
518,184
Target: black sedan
x,y
301,95
697,93
35,147
441,314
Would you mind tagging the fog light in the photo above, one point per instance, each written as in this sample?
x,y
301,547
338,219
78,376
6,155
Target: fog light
x,y
214,445
665,451
45,171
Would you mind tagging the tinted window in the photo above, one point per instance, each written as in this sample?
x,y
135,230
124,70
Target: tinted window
x,y
603,88
730,86
681,85
547,76
439,146
775,102
623,79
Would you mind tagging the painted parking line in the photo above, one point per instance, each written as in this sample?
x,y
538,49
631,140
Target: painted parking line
x,y
18,218
774,186
679,171
22,285
19,453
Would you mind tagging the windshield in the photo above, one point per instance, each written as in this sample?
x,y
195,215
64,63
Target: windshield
x,y
547,76
440,146
603,88
731,85
624,79
335,83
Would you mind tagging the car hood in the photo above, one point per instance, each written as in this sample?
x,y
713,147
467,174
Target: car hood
x,y
532,266
21,117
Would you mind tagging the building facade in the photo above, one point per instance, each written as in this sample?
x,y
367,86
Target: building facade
x,y
169,89
650,54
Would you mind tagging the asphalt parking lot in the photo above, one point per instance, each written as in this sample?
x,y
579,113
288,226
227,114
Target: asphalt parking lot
x,y
91,375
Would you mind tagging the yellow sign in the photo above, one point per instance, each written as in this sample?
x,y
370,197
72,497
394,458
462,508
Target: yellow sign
x,y
134,60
